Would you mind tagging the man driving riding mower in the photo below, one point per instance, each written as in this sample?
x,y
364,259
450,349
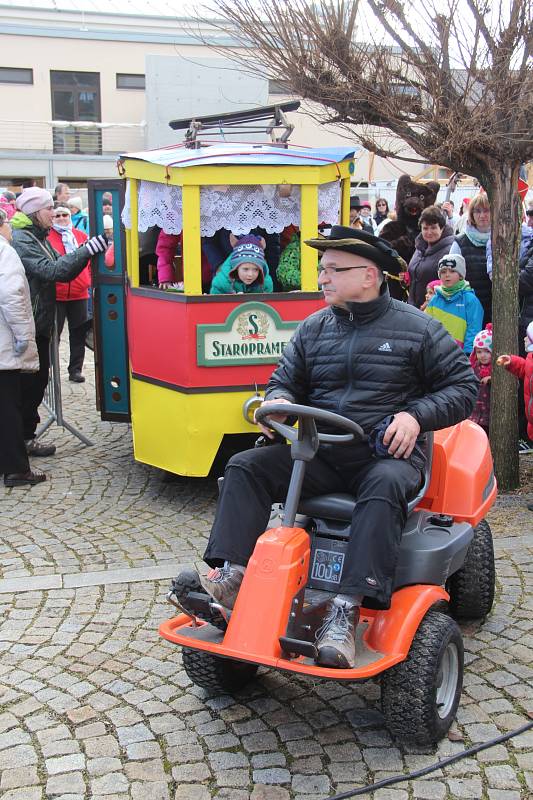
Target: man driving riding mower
x,y
385,365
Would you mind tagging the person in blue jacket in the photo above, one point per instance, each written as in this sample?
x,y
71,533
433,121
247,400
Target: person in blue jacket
x,y
455,303
244,271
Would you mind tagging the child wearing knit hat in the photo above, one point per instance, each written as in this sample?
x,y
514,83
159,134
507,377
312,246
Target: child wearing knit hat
x,y
455,304
523,369
481,360
244,271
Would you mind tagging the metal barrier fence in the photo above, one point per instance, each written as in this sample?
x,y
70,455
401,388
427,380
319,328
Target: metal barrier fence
x,y
52,397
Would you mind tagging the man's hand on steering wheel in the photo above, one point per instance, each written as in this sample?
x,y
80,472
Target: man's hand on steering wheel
x,y
400,437
276,417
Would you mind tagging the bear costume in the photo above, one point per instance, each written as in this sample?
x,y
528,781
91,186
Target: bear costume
x,y
411,199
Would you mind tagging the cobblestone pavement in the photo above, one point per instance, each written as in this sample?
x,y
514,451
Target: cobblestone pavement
x,y
93,704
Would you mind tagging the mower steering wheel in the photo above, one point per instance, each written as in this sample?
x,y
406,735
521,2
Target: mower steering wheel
x,y
293,434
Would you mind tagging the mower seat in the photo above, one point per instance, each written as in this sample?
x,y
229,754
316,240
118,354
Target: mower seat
x,y
340,505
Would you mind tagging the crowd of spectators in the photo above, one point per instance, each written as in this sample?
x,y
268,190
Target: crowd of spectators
x,y
449,277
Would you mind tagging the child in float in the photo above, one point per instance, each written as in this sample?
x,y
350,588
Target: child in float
x,y
455,303
523,369
481,360
244,271
430,291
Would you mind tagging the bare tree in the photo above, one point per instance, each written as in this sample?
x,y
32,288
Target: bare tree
x,y
452,79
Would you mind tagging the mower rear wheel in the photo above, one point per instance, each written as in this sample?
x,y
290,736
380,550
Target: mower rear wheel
x,y
420,695
471,588
219,675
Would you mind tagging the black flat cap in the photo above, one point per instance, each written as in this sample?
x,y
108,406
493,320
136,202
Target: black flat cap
x,y
360,243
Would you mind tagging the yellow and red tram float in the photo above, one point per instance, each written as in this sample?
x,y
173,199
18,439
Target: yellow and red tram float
x,y
186,366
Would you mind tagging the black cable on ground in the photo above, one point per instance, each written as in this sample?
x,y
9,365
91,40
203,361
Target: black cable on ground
x,y
372,787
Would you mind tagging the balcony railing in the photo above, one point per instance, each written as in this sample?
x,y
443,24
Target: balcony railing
x,y
72,138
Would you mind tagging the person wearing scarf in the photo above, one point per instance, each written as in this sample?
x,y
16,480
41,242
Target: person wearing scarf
x,y
455,304
472,245
71,298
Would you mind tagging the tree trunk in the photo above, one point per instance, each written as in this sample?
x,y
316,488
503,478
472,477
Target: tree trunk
x,y
506,232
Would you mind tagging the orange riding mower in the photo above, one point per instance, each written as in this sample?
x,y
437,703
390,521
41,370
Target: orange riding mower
x,y
445,571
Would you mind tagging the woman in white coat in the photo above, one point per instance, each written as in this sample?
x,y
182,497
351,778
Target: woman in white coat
x,y
18,353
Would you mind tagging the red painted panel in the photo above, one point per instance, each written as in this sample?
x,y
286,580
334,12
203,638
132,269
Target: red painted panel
x,y
162,338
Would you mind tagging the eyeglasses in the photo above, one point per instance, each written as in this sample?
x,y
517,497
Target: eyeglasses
x,y
56,216
333,270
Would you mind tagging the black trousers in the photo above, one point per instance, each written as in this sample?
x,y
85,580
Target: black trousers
x,y
76,312
13,456
32,386
255,479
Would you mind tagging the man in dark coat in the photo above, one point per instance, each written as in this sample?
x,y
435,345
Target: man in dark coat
x,y
367,357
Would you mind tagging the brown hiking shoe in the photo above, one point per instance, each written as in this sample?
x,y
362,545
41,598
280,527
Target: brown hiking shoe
x,y
335,639
223,584
35,448
29,478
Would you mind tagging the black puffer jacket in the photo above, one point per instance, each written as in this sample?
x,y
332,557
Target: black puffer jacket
x,y
376,359
43,268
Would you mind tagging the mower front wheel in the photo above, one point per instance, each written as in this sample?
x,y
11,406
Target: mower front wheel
x,y
219,675
420,695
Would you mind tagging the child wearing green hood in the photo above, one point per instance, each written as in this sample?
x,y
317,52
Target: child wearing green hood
x,y
455,303
244,271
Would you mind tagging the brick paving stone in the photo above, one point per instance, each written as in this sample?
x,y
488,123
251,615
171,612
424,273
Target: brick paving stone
x,y
145,771
61,784
311,783
233,778
502,776
191,773
150,791
23,794
428,790
271,775
133,734
113,782
465,787
101,766
20,776
263,760
192,793
143,750
503,794
269,793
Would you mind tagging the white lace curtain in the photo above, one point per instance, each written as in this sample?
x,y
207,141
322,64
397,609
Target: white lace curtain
x,y
236,208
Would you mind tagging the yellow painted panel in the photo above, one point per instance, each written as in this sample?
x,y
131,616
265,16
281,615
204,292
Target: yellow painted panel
x,y
345,203
235,175
181,433
309,230
133,255
192,243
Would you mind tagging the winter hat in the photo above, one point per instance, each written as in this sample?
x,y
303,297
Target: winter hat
x,y
34,199
75,202
249,253
453,261
529,334
434,284
483,339
360,243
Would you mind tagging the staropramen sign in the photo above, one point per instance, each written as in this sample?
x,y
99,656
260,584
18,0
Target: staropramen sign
x,y
253,333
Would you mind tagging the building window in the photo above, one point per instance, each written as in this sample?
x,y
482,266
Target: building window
x,y
76,98
278,87
16,75
125,81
